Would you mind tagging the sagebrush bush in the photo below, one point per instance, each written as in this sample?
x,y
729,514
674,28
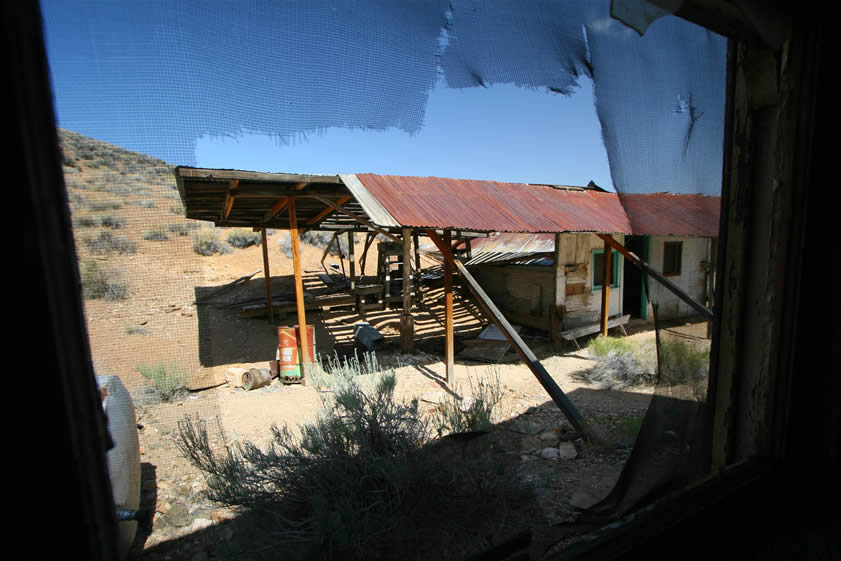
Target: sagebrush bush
x,y
183,228
621,363
100,206
320,239
98,282
243,237
206,242
85,220
170,381
285,244
474,413
333,372
111,221
359,483
156,234
105,242
145,203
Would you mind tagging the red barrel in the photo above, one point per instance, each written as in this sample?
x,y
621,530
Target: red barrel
x,y
289,361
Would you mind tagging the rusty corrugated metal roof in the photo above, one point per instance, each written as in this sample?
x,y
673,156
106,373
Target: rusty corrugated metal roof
x,y
493,206
665,214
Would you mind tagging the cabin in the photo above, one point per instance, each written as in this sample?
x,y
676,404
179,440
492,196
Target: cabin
x,y
676,234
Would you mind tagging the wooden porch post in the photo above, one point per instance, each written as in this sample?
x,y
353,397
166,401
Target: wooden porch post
x,y
608,265
449,353
268,276
407,325
417,279
352,258
559,290
299,288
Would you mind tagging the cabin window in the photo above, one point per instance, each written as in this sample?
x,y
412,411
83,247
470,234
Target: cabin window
x,y
672,252
598,269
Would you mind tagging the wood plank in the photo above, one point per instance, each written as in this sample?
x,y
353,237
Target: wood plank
x,y
359,219
672,287
449,352
548,383
407,327
573,288
226,174
607,262
299,289
267,274
229,198
591,328
278,206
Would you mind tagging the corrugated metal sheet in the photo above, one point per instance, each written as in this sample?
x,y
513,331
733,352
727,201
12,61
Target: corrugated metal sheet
x,y
524,248
372,207
492,206
664,214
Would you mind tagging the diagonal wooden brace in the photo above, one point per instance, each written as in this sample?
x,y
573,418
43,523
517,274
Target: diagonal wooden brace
x,y
549,384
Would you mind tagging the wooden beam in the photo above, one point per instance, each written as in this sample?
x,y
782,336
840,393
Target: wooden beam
x,y
229,198
417,278
299,289
607,262
369,238
359,219
327,211
548,383
407,327
267,274
351,256
660,278
449,347
278,206
559,292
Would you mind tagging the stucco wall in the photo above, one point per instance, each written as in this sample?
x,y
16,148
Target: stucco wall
x,y
695,251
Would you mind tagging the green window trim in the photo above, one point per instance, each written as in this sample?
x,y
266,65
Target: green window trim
x,y
615,265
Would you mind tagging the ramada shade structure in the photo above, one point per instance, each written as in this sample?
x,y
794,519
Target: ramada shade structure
x,y
402,206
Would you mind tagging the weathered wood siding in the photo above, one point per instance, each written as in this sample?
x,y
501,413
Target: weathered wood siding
x,y
692,278
524,293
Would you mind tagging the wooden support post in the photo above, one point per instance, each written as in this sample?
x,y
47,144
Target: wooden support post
x,y
268,275
669,285
559,293
417,277
449,348
351,255
299,289
608,266
407,327
548,383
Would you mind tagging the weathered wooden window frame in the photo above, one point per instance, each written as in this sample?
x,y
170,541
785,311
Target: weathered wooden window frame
x,y
616,270
666,261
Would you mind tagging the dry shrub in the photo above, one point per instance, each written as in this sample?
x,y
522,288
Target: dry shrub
x,y
360,484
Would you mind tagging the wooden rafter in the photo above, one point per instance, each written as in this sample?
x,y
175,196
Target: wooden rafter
x,y
359,219
327,211
229,198
278,206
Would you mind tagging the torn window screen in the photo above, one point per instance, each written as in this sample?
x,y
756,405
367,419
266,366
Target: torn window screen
x,y
290,69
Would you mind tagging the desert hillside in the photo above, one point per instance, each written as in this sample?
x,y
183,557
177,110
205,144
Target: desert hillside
x,y
141,272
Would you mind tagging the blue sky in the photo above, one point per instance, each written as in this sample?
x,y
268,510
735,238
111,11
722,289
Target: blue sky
x,y
502,133
344,86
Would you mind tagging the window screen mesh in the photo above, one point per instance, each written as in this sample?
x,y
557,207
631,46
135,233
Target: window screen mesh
x,y
151,78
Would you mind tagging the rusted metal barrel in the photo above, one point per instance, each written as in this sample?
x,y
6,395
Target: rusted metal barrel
x,y
256,378
289,361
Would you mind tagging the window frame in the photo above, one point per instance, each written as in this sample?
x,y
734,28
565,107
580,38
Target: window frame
x,y
679,272
616,270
